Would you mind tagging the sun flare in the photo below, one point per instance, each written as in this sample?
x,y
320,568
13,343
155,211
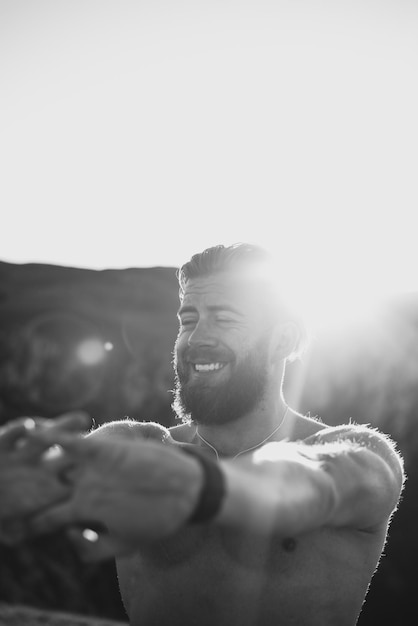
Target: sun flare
x,y
332,296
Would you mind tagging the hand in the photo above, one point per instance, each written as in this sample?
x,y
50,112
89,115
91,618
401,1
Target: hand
x,y
127,491
27,484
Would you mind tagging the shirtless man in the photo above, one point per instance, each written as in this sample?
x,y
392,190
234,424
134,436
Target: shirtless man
x,y
247,513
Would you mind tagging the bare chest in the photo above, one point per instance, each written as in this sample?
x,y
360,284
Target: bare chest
x,y
222,549
232,578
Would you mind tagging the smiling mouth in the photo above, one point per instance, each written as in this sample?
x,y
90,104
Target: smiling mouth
x,y
208,367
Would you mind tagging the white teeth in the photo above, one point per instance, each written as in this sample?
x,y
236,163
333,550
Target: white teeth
x,y
207,367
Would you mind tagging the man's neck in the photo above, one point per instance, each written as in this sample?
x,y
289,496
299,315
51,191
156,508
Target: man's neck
x,y
250,430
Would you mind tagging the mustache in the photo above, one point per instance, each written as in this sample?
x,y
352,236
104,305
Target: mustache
x,y
211,356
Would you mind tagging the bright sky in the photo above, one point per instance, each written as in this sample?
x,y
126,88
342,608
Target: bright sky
x,y
136,133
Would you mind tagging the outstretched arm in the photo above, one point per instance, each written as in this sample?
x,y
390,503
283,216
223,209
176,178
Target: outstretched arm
x,y
126,487
141,490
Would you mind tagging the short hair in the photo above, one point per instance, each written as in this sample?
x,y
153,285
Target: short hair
x,y
249,261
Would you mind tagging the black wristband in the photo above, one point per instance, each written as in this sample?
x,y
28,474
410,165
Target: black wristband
x,y
213,489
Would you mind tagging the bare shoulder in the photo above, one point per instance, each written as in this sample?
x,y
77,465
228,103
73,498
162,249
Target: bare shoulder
x,y
304,426
359,436
131,429
363,434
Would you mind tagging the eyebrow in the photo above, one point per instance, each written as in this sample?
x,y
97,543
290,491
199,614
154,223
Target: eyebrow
x,y
215,308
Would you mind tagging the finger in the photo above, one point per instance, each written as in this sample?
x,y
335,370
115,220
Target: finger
x,y
39,444
57,462
42,440
14,431
19,427
35,443
95,546
53,518
75,421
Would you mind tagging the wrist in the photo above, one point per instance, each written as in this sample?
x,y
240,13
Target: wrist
x,y
212,493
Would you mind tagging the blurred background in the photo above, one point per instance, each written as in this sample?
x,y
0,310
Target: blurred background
x,y
135,134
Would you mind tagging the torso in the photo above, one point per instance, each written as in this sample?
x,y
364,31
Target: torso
x,y
212,576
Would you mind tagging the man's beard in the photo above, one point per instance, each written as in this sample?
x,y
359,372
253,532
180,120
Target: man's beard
x,y
227,401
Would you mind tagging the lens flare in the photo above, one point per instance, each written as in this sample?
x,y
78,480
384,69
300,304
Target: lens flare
x,y
91,351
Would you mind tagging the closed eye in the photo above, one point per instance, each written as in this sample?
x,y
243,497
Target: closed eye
x,y
226,320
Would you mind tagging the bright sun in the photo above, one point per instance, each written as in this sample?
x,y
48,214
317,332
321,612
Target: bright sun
x,y
334,293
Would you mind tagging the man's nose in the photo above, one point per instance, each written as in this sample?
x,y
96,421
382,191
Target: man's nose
x,y
202,335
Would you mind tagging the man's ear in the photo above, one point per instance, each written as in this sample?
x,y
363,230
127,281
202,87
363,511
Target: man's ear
x,y
285,340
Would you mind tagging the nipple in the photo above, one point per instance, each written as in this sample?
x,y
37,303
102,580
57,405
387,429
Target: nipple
x,y
289,544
